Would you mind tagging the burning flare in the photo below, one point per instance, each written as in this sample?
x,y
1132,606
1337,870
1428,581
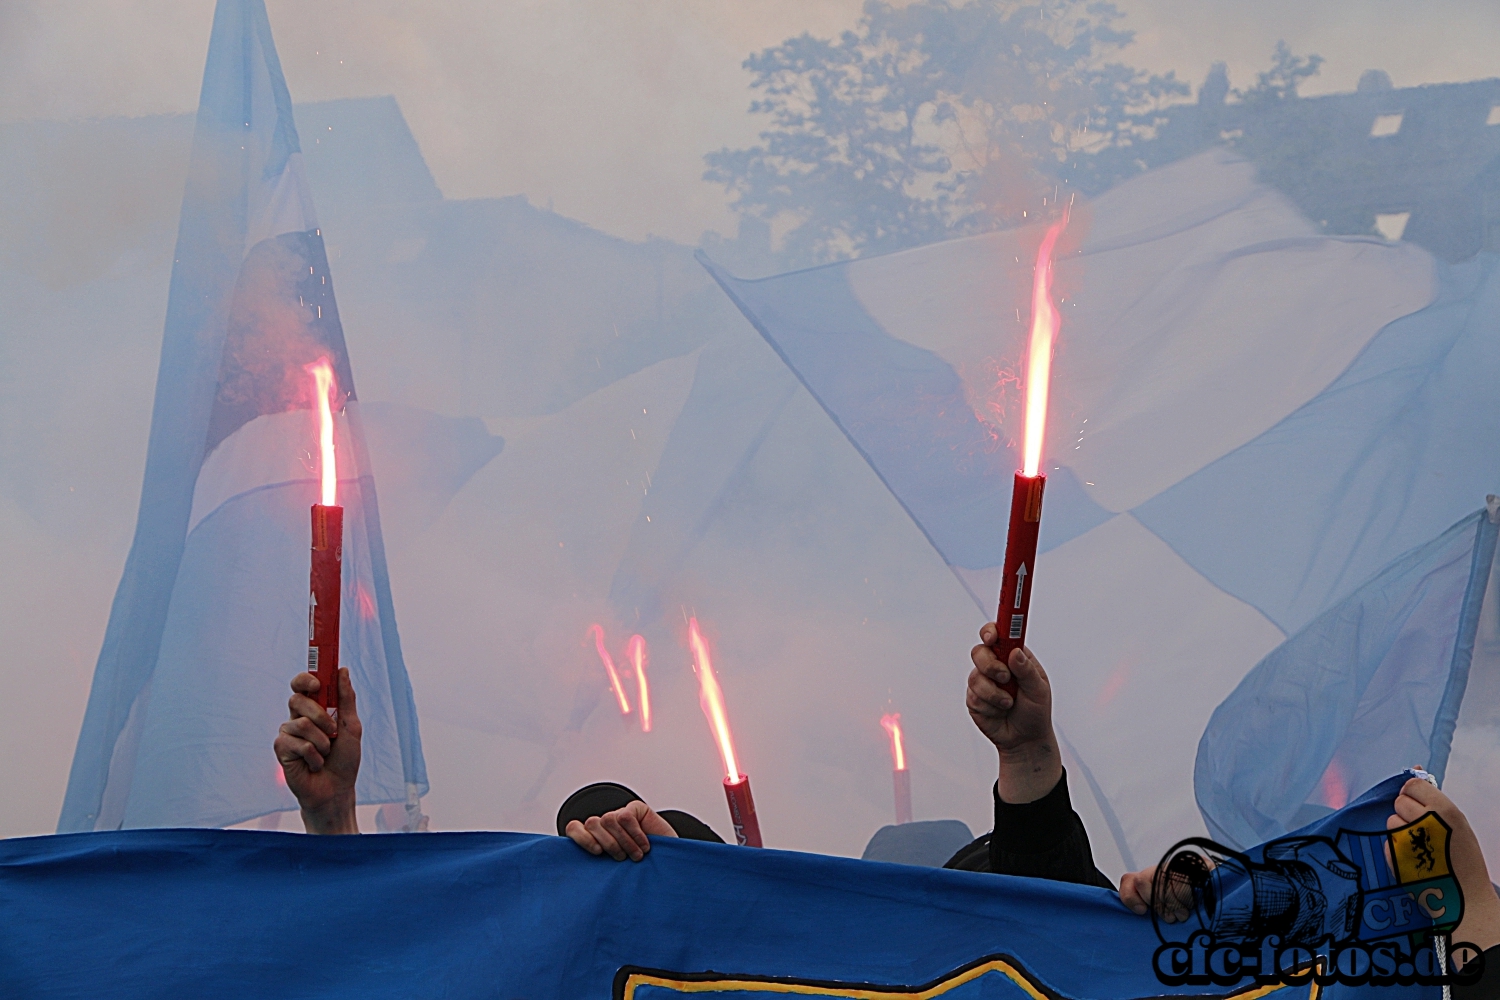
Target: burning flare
x,y
712,700
323,381
597,631
1044,324
892,724
635,652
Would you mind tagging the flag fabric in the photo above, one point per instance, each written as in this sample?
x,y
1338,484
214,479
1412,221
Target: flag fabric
x,y
1249,422
210,617
192,912
1379,675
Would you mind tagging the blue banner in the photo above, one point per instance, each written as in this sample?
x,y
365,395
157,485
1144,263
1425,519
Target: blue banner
x,y
229,914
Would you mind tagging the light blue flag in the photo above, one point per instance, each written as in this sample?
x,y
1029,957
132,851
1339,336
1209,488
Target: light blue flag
x,y
1323,523
210,618
1380,676
1250,422
1402,444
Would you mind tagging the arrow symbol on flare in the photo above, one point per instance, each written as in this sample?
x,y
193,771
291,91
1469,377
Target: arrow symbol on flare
x,y
1020,583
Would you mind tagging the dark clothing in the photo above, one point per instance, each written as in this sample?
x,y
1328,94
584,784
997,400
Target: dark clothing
x,y
1041,839
689,827
1488,987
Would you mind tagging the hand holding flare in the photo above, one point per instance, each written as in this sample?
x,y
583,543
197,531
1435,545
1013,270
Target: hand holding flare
x,y
1019,568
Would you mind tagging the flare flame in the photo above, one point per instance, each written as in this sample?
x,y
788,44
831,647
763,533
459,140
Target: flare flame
x,y
711,698
635,652
1044,324
597,631
324,386
891,722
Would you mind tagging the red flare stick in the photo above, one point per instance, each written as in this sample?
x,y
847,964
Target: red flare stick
x,y
742,812
902,780
323,603
1016,580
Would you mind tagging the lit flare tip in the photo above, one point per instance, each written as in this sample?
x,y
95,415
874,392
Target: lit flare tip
x,y
597,631
891,722
711,698
1045,321
323,388
635,652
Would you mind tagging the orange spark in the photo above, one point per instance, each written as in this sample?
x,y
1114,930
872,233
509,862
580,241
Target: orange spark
x,y
597,631
1044,324
323,382
712,700
635,652
891,722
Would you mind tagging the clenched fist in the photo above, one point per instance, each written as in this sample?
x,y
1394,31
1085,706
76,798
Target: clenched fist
x,y
320,757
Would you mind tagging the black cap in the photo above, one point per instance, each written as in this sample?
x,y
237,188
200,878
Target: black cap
x,y
593,800
690,827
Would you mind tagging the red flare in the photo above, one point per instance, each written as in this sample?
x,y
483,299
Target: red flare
x,y
742,812
1019,566
891,723
597,631
325,578
711,698
1045,321
900,776
635,652
324,387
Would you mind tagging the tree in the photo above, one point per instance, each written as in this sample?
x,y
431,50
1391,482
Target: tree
x,y
933,119
1280,82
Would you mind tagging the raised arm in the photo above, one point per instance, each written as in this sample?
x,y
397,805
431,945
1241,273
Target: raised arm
x,y
1036,833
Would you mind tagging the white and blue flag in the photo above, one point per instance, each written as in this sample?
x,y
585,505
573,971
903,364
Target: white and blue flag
x,y
1263,578
210,618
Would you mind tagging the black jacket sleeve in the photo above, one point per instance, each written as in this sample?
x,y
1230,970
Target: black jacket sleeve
x,y
1041,839
1488,987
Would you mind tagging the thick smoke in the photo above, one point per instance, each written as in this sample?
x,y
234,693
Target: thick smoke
x,y
583,333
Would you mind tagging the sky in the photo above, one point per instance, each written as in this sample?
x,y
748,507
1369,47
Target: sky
x,y
603,109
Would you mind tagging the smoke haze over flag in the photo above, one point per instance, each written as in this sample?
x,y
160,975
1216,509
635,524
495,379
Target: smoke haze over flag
x,y
1249,421
210,618
760,516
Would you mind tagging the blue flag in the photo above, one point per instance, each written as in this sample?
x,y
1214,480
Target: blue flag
x,y
1249,422
256,914
1380,676
210,618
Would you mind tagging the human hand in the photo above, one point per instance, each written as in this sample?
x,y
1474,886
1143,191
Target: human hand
x,y
1481,919
1008,721
1137,889
320,757
1019,725
620,833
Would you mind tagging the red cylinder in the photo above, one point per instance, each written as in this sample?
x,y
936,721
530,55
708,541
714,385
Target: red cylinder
x,y
742,812
1016,575
902,780
324,595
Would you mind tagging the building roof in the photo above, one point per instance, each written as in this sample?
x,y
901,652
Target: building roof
x,y
1414,163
